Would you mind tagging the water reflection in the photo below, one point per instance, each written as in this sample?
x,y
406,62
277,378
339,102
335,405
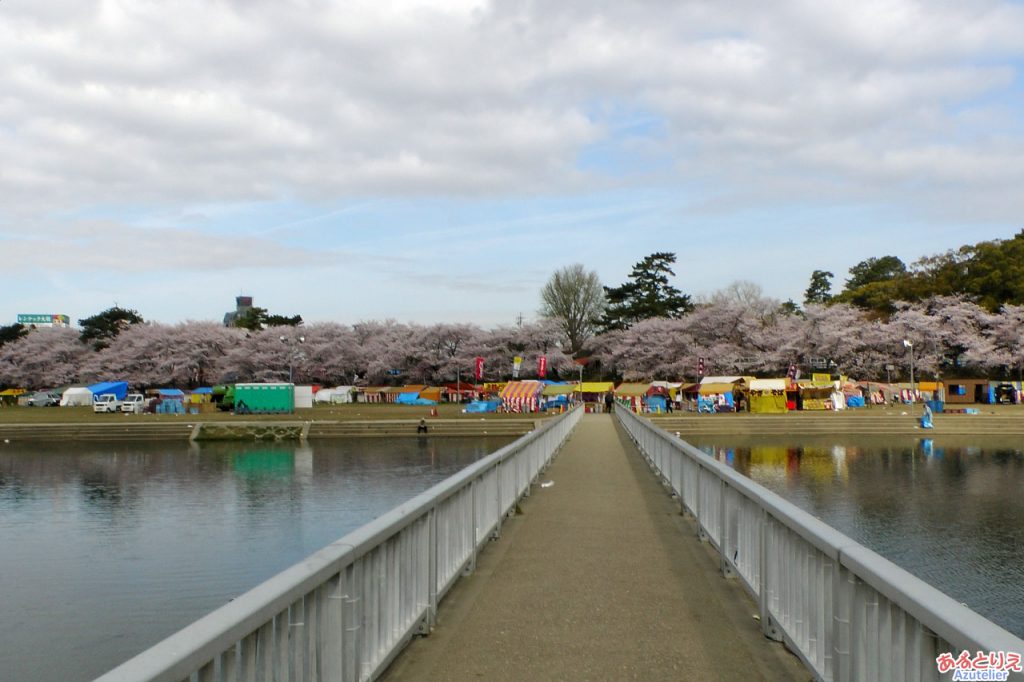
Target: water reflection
x,y
949,511
107,548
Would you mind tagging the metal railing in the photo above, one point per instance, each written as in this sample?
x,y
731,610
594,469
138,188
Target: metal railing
x,y
346,611
847,612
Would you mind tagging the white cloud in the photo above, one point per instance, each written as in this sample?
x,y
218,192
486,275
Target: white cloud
x,y
163,108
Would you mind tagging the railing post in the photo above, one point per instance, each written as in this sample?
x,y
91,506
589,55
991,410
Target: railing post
x,y
431,618
843,584
474,527
724,536
702,534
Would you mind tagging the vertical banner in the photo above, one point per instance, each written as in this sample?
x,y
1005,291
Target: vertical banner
x,y
478,369
700,367
517,362
542,366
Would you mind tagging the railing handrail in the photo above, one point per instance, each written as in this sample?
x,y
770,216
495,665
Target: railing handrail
x,y
185,651
943,615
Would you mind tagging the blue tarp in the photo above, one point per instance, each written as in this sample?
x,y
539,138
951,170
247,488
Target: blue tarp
x,y
656,403
408,399
170,406
854,401
171,393
118,388
480,406
206,390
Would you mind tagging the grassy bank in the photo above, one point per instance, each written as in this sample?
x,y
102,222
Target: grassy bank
x,y
356,412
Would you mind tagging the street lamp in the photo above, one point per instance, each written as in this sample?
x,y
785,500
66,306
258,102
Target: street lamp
x,y
909,345
293,353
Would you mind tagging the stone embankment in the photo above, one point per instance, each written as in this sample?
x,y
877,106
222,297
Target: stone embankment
x,y
133,428
876,421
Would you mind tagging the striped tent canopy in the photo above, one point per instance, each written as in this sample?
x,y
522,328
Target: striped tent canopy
x,y
521,389
522,396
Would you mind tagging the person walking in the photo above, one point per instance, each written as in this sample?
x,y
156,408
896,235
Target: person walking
x,y
608,402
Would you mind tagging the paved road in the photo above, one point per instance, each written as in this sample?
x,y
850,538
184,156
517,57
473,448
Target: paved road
x,y
599,578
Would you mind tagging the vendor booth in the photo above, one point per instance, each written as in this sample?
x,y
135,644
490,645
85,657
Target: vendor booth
x,y
716,397
632,395
768,396
557,396
522,396
592,393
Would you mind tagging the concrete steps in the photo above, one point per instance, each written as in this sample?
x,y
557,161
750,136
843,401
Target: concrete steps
x,y
97,432
135,429
892,422
436,427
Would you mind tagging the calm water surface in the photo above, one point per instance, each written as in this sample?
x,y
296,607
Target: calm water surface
x,y
948,510
106,549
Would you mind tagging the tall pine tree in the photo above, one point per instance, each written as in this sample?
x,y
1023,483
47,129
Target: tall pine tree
x,y
647,294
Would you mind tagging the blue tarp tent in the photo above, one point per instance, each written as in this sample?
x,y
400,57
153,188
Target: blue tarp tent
x,y
656,403
172,401
480,406
118,388
408,399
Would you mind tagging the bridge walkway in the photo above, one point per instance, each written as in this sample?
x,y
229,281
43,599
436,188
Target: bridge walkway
x,y
600,577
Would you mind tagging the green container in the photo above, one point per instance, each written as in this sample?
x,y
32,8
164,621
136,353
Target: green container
x,y
264,398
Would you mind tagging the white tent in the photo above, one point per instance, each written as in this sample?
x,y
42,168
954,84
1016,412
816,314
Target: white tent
x,y
338,394
76,397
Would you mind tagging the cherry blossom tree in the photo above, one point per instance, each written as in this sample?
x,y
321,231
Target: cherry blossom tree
x,y
43,358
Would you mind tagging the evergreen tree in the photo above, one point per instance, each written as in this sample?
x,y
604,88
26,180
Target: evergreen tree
x,y
102,327
646,295
819,291
12,332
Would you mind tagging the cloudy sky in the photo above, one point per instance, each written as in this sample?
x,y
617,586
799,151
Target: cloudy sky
x,y
437,160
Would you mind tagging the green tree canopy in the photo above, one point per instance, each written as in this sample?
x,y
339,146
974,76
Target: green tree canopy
x,y
820,289
646,295
102,327
257,318
12,332
875,270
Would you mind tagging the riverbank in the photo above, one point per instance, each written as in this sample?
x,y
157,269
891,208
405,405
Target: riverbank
x,y
388,420
334,421
994,420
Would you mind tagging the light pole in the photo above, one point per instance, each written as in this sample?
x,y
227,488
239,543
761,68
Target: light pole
x,y
909,345
293,353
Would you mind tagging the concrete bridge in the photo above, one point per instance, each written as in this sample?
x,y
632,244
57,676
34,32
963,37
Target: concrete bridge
x,y
583,567
598,577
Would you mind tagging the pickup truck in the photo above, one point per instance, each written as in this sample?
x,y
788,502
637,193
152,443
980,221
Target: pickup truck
x,y
107,402
133,403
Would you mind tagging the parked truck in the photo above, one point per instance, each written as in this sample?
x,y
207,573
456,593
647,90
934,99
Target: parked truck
x,y
134,403
107,402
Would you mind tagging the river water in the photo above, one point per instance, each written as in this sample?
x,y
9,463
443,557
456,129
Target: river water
x,y
948,510
106,549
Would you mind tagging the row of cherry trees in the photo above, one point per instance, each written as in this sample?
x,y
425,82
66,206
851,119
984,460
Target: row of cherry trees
x,y
951,337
